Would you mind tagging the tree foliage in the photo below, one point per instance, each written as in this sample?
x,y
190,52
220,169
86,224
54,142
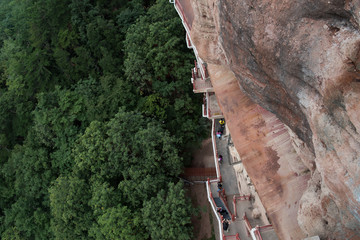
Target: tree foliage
x,y
97,118
167,216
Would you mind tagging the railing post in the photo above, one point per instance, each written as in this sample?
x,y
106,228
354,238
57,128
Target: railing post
x,y
224,195
234,202
247,225
258,232
204,69
188,42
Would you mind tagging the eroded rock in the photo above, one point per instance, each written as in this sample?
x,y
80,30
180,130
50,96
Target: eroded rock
x,y
300,61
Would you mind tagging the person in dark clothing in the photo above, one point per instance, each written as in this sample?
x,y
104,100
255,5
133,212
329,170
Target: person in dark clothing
x,y
219,186
221,211
221,130
226,224
220,159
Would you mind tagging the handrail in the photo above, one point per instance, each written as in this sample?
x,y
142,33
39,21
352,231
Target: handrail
x,y
234,205
254,232
180,12
208,106
217,166
212,203
257,232
242,197
222,196
247,224
237,237
204,69
188,42
265,227
193,74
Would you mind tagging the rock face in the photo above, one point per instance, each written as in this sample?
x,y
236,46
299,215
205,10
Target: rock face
x,y
299,60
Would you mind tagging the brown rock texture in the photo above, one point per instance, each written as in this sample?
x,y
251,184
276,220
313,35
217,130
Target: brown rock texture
x,y
286,75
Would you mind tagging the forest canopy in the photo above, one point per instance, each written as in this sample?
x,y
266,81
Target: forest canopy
x,y
97,119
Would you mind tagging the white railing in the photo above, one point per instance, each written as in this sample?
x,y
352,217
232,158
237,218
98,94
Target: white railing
x,y
200,66
190,44
208,190
214,149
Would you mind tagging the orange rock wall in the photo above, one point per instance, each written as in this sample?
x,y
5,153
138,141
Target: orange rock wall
x,y
264,145
300,61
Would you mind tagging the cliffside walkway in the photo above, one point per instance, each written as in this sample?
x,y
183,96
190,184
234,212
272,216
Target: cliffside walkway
x,y
228,197
239,207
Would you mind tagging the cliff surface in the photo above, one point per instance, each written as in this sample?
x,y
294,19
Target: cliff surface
x,y
300,62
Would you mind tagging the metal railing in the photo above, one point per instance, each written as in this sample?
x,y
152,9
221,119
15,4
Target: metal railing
x,y
215,151
212,203
232,237
190,44
254,232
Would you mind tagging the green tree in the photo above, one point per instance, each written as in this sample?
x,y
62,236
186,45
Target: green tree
x,y
121,223
28,173
72,165
90,153
71,215
167,216
12,234
157,63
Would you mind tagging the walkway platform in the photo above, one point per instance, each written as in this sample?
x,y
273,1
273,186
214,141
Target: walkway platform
x,y
220,203
236,205
201,83
211,107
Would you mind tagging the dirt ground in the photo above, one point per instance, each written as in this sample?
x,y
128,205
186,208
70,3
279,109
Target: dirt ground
x,y
203,223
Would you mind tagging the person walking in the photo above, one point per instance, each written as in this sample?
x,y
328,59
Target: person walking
x,y
222,122
220,159
226,224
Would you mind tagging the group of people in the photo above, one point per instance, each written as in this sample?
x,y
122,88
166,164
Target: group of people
x,y
225,221
222,211
219,134
220,131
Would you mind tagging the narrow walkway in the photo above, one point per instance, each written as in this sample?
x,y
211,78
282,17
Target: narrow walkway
x,y
220,204
230,201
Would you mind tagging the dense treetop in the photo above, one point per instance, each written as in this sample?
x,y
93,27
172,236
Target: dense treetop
x,y
97,119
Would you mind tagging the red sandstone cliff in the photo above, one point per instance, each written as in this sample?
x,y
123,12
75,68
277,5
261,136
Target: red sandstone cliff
x,y
286,75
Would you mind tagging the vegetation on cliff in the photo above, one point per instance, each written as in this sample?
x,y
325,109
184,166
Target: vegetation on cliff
x,y
96,120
